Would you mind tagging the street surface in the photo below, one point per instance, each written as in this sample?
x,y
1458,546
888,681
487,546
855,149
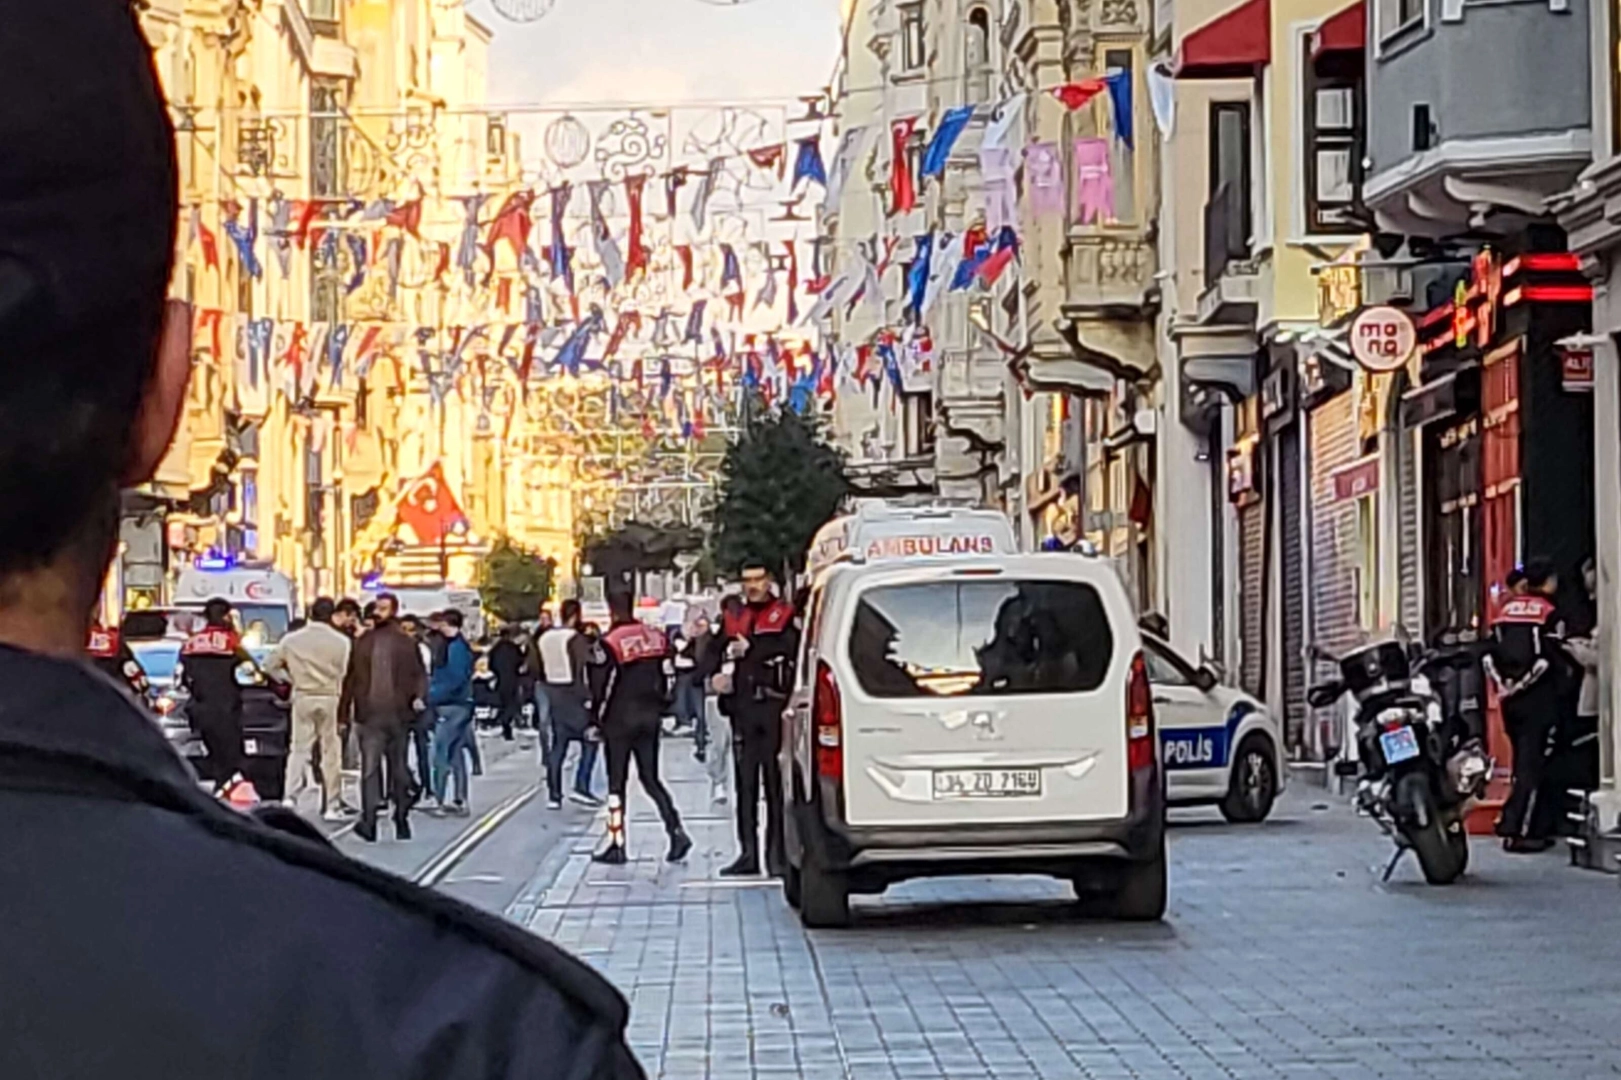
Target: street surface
x,y
1282,956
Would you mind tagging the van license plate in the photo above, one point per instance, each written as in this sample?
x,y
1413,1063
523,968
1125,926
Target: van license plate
x,y
987,783
250,747
1398,745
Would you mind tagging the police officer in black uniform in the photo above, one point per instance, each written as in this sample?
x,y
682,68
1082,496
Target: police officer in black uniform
x,y
632,714
193,940
1526,661
111,655
209,661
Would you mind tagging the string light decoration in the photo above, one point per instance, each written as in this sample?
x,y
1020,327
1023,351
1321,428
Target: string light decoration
x,y
523,11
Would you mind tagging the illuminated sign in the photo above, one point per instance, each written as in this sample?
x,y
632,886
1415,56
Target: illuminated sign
x,y
1383,339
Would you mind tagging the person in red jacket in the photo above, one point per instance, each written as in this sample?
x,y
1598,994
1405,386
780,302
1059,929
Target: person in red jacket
x,y
632,713
111,655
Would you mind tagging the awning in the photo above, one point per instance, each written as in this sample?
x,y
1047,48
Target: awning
x,y
1345,32
1234,45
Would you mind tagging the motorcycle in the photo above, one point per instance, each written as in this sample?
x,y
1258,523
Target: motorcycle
x,y
1418,742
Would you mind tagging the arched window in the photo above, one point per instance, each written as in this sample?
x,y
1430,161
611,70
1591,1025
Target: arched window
x,y
978,54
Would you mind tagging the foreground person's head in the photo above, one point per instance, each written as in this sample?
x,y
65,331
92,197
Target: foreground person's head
x,y
93,362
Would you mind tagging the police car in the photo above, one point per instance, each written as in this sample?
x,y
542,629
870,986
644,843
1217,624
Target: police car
x,y
1220,746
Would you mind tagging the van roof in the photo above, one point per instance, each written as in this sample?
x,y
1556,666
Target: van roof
x,y
879,530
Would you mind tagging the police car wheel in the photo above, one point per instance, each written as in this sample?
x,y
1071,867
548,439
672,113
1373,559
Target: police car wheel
x,y
1254,784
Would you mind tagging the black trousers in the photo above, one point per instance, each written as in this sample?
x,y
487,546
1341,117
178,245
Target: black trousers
x,y
509,715
422,740
383,750
638,741
1529,718
221,729
757,738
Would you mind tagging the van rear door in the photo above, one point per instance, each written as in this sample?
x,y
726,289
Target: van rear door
x,y
983,695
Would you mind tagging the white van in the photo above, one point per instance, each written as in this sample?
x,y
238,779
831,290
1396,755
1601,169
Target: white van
x,y
966,715
879,529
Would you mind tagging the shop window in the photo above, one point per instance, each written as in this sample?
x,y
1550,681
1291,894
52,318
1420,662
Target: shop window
x,y
1122,155
1332,143
914,43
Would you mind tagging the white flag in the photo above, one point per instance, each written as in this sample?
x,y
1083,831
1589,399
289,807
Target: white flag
x,y
844,162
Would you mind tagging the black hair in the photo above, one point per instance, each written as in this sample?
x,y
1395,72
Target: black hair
x,y
88,219
347,606
321,611
217,612
452,617
369,612
758,564
1538,572
620,607
569,611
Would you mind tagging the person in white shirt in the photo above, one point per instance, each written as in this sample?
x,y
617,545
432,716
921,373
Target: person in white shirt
x,y
565,657
313,660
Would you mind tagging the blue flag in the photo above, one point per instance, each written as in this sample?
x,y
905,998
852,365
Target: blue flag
x,y
917,282
808,165
573,350
945,137
1119,83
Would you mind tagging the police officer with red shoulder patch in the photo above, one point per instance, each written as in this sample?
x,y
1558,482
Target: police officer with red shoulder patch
x,y
208,662
1524,662
763,640
111,655
631,717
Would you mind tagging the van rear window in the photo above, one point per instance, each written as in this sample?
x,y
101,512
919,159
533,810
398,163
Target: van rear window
x,y
981,638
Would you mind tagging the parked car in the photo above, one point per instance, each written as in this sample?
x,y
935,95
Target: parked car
x,y
1221,747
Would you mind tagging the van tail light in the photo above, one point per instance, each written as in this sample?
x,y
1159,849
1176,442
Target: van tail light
x,y
827,716
1140,749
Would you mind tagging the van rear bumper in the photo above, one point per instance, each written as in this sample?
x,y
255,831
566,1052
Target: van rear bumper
x,y
1019,847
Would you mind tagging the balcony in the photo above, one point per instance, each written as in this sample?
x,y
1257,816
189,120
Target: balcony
x,y
1232,277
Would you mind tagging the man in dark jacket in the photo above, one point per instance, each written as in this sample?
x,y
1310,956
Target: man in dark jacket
x,y
99,818
1526,660
506,664
762,641
450,695
382,691
632,716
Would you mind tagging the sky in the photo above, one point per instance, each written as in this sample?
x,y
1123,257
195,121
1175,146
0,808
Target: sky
x,y
661,51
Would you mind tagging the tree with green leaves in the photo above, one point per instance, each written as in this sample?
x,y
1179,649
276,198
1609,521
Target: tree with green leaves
x,y
514,582
780,482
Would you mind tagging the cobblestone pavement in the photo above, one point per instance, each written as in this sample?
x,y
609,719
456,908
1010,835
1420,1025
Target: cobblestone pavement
x,y
1282,956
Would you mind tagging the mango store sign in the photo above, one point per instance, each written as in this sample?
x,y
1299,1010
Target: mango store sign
x,y
1383,339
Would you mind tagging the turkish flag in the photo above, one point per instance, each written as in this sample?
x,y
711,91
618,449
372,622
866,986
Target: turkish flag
x,y
1075,94
902,185
428,507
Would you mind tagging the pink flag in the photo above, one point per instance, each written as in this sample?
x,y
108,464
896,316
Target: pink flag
x,y
1044,177
1094,182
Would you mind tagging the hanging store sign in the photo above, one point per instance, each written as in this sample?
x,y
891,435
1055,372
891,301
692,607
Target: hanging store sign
x,y
1356,481
1339,292
1577,370
1383,339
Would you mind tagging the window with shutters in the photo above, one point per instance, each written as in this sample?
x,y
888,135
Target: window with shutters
x,y
914,40
1333,146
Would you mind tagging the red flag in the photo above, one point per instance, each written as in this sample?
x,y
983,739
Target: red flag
x,y
209,319
511,223
636,257
531,337
296,349
902,185
698,429
1074,95
443,265
628,321
368,343
684,253
428,507
503,295
770,157
407,216
306,212
992,268
211,246
735,303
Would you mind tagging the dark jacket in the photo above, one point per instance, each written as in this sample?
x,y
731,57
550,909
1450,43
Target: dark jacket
x,y
208,663
506,664
762,676
385,678
638,690
452,680
100,819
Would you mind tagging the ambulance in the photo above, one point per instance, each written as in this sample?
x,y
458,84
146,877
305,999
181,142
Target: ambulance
x,y
879,529
265,599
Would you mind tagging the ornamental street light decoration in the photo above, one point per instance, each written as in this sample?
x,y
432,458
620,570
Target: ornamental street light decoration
x,y
523,11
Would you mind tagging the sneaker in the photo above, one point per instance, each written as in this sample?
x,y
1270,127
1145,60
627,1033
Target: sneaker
x,y
680,844
336,815
700,756
717,794
612,855
554,804
585,798
460,809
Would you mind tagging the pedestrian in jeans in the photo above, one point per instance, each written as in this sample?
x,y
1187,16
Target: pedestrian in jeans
x,y
381,692
543,702
691,654
314,661
450,695
565,660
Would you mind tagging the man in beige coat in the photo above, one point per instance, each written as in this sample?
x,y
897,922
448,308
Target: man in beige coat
x,y
314,660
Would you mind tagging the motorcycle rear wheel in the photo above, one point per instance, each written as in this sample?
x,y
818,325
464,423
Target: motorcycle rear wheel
x,y
1442,854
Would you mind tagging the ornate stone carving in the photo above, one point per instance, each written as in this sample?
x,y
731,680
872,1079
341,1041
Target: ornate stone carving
x,y
1115,13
